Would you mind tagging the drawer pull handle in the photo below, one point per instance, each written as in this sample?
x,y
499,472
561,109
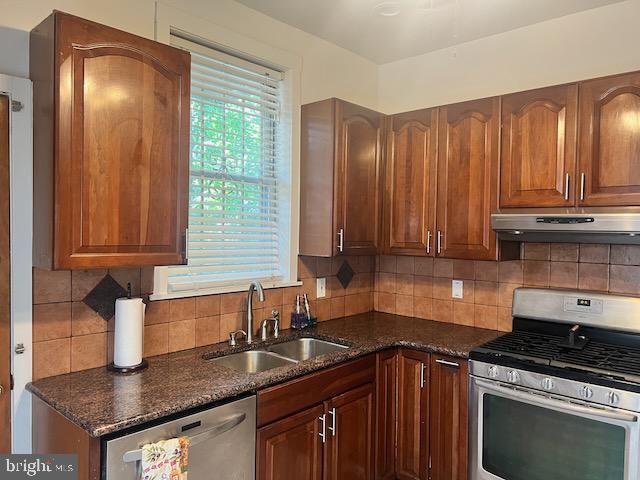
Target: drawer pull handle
x,y
323,428
332,428
448,364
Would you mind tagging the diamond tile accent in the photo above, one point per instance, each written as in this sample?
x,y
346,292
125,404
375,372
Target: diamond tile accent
x,y
102,299
345,274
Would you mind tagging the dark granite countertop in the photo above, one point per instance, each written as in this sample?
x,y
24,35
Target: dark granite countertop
x,y
103,402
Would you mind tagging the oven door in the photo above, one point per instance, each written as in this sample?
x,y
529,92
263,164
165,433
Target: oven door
x,y
521,434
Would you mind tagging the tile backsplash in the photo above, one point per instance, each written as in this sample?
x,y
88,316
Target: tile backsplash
x,y
421,287
69,336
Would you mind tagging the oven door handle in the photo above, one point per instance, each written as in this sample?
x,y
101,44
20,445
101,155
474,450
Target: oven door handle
x,y
558,404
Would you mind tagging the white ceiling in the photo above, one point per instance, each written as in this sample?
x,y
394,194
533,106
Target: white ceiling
x,y
417,26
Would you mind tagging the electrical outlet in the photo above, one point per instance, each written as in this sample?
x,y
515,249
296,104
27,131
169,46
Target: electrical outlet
x,y
457,288
321,287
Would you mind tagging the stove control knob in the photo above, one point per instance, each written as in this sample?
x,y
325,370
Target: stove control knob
x,y
613,398
586,392
547,384
493,371
513,376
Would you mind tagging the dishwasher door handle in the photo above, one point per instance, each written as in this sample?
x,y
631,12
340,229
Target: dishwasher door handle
x,y
218,429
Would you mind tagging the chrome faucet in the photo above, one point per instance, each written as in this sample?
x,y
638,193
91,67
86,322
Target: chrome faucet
x,y
252,288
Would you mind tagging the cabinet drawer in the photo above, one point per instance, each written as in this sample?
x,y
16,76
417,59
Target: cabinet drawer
x,y
282,400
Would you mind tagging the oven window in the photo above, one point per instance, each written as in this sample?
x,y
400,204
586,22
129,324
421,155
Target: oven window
x,y
526,442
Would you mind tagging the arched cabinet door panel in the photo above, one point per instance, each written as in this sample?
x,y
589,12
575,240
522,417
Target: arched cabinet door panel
x,y
121,137
358,179
410,205
340,179
468,179
609,147
539,148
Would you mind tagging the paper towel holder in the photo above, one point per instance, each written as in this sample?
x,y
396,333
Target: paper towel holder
x,y
128,370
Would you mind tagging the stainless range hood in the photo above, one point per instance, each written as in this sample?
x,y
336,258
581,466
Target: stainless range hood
x,y
618,225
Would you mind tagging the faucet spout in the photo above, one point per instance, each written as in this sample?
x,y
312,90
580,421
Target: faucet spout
x,y
252,288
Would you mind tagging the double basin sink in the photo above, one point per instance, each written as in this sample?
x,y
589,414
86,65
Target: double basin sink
x,y
279,355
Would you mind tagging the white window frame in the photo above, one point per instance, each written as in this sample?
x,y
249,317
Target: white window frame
x,y
168,20
21,238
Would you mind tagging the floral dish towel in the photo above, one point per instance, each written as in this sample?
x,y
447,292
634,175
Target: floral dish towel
x,y
165,460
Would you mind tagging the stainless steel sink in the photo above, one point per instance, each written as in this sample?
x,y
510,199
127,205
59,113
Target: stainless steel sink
x,y
253,361
304,348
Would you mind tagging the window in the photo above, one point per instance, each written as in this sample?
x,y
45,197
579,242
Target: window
x,y
240,200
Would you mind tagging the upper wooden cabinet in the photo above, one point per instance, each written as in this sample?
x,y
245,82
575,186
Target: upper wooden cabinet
x,y
410,182
111,146
468,150
609,142
539,147
340,179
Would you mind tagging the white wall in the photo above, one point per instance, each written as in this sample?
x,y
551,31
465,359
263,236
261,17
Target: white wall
x,y
589,44
13,59
327,70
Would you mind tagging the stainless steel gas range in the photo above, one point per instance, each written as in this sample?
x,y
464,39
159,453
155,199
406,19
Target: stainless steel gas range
x,y
559,397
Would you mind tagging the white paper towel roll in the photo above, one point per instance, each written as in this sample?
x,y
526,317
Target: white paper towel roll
x,y
128,337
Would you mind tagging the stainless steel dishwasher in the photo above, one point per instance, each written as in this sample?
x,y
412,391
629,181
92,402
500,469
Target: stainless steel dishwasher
x,y
223,443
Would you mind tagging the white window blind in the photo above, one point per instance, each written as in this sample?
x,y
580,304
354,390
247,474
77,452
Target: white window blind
x,y
235,203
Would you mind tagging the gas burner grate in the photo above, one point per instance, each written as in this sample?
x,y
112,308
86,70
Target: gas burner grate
x,y
595,356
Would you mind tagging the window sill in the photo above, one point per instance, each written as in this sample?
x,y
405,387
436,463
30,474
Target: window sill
x,y
219,290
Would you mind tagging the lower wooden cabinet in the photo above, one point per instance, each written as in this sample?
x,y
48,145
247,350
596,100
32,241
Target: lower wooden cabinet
x,y
333,441
448,418
320,426
349,435
386,402
291,448
412,461
430,393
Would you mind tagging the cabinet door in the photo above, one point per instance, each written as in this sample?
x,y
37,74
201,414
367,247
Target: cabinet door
x,y
609,146
350,427
386,375
358,180
468,179
410,201
448,418
123,148
413,415
291,448
539,147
